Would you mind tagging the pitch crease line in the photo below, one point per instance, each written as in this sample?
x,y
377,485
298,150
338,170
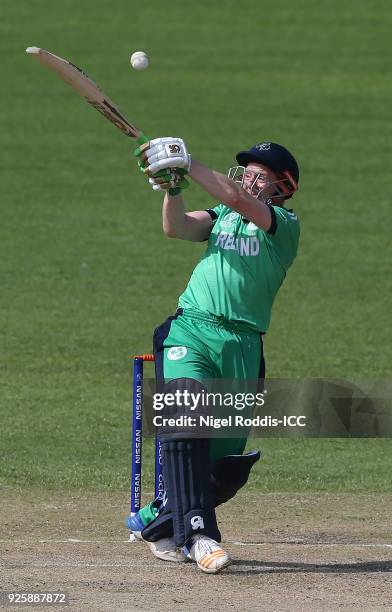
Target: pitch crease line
x,y
231,542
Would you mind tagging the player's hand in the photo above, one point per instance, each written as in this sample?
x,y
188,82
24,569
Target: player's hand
x,y
162,153
168,180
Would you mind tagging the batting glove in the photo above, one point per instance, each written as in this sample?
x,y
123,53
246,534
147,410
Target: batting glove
x,y
170,180
162,153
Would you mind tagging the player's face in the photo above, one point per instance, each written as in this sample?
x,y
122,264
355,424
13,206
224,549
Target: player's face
x,y
259,181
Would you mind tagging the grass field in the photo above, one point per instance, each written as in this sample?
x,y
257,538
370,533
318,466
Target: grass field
x,y
86,272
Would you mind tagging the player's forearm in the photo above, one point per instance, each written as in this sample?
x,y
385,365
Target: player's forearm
x,y
173,216
225,190
220,187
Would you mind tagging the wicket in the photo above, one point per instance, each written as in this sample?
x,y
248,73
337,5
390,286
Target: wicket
x,y
137,436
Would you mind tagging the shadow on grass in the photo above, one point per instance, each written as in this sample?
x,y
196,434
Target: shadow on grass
x,y
273,567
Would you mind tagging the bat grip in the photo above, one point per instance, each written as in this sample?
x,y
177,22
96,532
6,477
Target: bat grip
x,y
142,138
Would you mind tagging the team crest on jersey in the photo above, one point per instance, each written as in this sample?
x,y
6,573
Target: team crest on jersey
x,y
176,352
229,219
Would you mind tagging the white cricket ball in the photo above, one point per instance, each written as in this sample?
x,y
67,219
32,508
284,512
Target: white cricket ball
x,y
139,60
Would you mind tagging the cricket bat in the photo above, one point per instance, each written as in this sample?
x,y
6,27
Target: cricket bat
x,y
85,87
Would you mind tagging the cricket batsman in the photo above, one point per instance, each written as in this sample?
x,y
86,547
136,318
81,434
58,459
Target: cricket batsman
x,y
217,332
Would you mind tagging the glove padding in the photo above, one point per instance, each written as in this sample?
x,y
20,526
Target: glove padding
x,y
167,180
162,153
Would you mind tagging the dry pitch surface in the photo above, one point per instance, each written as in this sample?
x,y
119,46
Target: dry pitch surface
x,y
291,552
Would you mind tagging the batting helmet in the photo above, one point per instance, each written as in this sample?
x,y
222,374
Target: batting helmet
x,y
272,155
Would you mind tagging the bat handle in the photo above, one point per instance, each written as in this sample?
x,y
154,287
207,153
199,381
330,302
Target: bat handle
x,y
142,138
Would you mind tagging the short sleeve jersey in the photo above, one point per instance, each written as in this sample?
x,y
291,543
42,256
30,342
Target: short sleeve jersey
x,y
243,267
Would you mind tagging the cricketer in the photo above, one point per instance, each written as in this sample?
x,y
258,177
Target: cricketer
x,y
217,331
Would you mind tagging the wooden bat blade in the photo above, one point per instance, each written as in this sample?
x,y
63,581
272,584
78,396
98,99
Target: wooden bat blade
x,y
85,87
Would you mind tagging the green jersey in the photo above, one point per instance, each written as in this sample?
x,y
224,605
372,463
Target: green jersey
x,y
243,267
